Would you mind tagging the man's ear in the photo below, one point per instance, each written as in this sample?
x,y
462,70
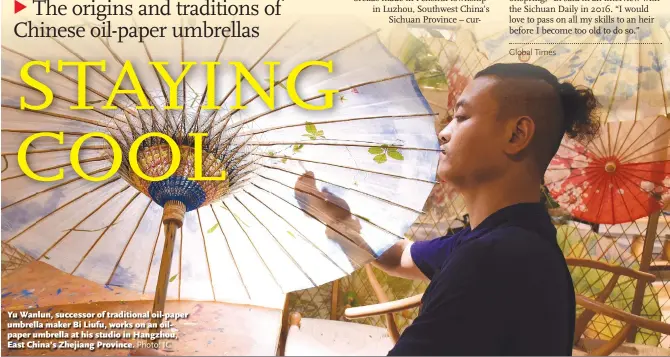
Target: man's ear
x,y
521,132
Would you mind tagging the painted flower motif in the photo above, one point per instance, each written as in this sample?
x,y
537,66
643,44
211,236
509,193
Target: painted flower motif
x,y
666,181
647,186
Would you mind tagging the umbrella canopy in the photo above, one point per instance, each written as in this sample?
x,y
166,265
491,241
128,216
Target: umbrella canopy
x,y
620,177
250,238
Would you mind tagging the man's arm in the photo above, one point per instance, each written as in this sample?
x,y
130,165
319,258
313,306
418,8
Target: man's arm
x,y
397,261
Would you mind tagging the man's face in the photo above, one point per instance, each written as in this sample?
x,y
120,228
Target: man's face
x,y
472,144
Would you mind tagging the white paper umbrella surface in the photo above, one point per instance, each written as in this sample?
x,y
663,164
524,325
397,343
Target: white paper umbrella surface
x,y
373,153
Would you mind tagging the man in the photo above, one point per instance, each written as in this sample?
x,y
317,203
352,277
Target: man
x,y
500,286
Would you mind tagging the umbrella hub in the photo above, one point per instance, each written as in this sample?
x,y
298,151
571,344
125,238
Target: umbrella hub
x,y
610,167
156,160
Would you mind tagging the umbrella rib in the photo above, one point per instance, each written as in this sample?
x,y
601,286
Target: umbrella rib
x,y
150,97
223,100
46,151
612,98
582,177
627,157
105,231
59,208
625,152
102,74
567,58
309,142
581,68
132,235
204,92
628,187
51,188
660,76
630,168
349,188
279,243
26,131
65,99
348,239
228,115
649,153
153,253
324,200
399,116
99,158
352,168
244,122
82,221
100,94
522,46
253,245
57,115
230,251
624,141
204,244
296,229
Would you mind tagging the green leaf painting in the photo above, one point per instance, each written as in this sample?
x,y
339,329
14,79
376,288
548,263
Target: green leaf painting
x,y
214,227
312,132
418,58
383,152
173,277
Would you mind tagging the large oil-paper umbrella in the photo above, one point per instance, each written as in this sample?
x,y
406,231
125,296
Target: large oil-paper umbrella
x,y
250,238
627,69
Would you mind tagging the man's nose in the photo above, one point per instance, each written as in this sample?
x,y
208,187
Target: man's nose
x,y
445,135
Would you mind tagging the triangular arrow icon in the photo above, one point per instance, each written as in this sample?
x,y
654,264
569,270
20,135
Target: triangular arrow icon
x,y
18,6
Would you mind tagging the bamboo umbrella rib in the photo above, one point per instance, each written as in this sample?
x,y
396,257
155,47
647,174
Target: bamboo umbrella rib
x,y
568,58
302,236
230,251
633,173
283,249
350,189
83,220
627,157
321,143
630,145
43,151
353,168
51,188
105,231
246,121
65,99
616,183
631,160
125,247
347,238
25,131
99,158
613,96
183,85
397,116
223,100
232,112
204,92
59,208
617,151
322,199
57,115
254,246
92,90
204,245
153,253
660,75
629,169
161,84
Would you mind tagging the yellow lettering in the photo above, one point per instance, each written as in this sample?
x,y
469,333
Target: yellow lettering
x,y
81,80
137,88
172,84
23,157
293,94
211,84
174,165
116,162
242,71
46,91
197,162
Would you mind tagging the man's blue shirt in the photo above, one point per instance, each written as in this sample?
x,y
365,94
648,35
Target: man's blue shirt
x,y
502,288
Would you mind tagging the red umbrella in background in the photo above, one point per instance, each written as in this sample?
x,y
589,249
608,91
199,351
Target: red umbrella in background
x,y
621,176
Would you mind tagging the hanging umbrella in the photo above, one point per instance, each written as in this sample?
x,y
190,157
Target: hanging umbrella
x,y
250,238
620,177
